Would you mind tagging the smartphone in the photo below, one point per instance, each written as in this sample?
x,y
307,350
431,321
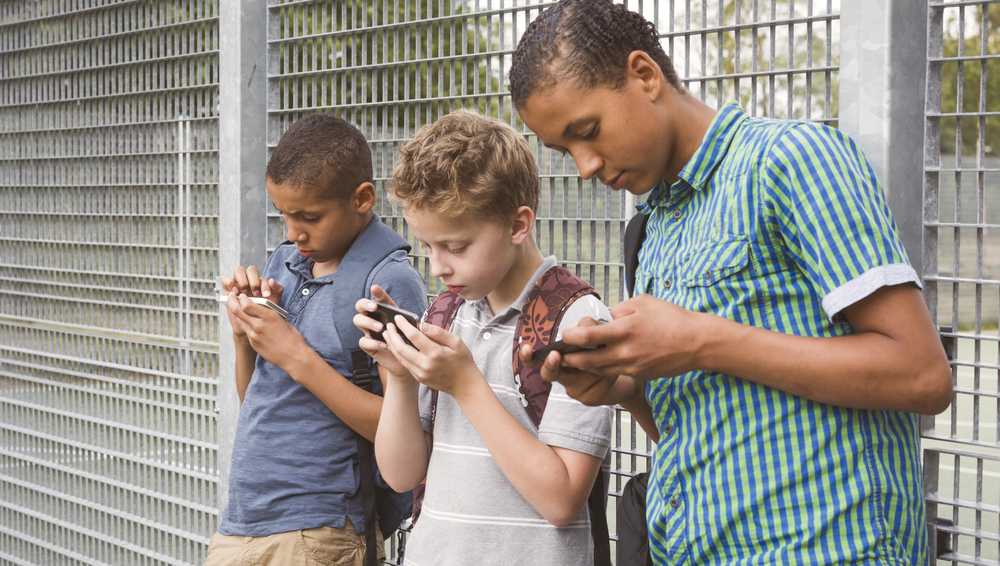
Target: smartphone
x,y
261,301
387,313
561,347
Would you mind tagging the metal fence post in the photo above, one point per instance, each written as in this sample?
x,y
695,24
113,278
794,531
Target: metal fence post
x,y
242,194
883,44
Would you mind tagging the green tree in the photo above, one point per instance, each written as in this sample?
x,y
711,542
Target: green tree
x,y
967,94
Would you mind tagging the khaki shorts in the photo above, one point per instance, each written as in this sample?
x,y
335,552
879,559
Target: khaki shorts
x,y
309,547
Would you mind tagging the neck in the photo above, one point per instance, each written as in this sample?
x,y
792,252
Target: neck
x,y
526,261
690,119
330,267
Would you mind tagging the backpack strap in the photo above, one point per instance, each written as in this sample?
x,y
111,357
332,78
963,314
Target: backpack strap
x,y
375,243
635,233
441,312
555,291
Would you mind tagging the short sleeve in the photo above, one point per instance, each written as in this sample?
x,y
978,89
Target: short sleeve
x,y
567,423
828,208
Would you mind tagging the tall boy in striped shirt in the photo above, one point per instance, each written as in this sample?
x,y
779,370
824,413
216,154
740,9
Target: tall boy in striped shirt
x,y
780,337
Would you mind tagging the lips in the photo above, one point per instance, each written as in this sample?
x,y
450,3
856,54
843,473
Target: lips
x,y
457,289
305,253
618,182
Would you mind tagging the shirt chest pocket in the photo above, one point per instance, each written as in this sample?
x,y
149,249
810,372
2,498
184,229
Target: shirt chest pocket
x,y
715,261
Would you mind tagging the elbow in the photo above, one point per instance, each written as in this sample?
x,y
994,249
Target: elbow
x,y
562,515
935,390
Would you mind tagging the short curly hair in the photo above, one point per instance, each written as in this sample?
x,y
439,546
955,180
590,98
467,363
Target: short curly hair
x,y
324,153
466,163
586,41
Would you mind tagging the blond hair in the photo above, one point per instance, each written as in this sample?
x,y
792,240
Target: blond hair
x,y
466,163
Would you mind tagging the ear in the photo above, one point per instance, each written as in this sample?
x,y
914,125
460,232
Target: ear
x,y
524,223
364,197
646,73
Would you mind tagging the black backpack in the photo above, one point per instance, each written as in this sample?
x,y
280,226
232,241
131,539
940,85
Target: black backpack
x,y
630,522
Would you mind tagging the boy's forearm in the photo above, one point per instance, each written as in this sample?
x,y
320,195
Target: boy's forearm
x,y
555,482
359,409
400,444
246,359
894,361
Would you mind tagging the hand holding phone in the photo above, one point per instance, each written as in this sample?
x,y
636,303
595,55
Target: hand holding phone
x,y
561,347
387,313
261,301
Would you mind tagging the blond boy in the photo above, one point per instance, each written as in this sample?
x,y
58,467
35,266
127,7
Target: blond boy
x,y
498,489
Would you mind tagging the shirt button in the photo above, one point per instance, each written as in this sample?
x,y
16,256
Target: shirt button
x,y
668,283
487,336
305,291
667,430
678,214
674,503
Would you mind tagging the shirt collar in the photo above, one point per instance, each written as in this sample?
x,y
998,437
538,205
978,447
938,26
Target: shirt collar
x,y
706,158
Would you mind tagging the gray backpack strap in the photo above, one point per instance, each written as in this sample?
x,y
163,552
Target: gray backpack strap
x,y
375,243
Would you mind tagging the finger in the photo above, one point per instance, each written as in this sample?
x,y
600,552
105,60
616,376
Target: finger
x,y
526,353
379,294
265,287
366,323
432,334
371,346
405,354
627,308
551,368
240,282
250,310
253,279
277,288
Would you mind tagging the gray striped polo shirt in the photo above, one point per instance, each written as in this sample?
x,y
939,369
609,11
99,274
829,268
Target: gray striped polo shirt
x,y
471,513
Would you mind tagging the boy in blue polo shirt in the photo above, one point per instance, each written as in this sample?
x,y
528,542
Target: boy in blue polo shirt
x,y
294,495
779,336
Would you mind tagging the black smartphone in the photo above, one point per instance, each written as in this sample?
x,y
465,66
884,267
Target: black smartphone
x,y
561,347
387,313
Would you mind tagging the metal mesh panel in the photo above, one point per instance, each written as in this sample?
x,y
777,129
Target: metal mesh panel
x,y
962,274
108,237
391,67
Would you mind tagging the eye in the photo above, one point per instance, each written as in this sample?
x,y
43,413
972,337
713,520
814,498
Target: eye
x,y
457,250
590,134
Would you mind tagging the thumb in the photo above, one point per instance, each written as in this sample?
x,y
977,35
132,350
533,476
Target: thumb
x,y
379,294
626,308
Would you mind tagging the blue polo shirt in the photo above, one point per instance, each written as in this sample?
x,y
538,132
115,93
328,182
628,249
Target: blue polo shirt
x,y
294,461
778,225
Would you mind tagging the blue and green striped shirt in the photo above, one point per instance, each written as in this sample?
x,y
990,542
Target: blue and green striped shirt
x,y
779,225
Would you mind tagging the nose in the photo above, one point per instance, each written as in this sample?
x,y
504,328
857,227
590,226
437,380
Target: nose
x,y
587,162
438,267
295,234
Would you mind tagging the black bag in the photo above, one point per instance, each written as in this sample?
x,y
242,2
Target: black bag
x,y
633,535
635,233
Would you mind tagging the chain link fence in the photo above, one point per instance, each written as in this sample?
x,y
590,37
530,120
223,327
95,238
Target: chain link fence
x,y
113,401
